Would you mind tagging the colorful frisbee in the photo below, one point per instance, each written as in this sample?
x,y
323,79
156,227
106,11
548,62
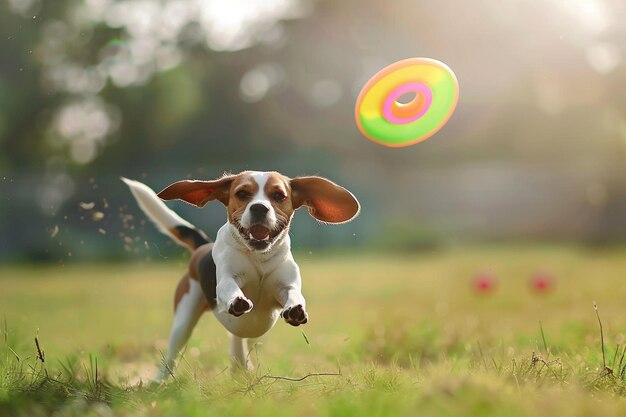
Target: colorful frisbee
x,y
384,120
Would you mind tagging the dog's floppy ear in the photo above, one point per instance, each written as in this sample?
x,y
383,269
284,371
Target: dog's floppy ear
x,y
198,192
325,200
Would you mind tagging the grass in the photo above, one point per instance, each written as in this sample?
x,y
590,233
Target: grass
x,y
388,336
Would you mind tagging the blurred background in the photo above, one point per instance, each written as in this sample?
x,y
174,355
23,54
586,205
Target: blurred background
x,y
91,90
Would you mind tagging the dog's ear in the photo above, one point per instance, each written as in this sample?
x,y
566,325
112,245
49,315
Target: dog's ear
x,y
198,192
325,200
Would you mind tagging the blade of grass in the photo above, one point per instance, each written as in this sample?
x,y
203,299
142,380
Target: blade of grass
x,y
595,307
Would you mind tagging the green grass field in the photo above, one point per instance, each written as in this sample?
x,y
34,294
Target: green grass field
x,y
397,336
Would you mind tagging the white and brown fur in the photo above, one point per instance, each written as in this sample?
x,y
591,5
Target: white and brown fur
x,y
248,277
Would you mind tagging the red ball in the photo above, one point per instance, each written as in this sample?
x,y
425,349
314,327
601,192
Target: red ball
x,y
542,282
484,283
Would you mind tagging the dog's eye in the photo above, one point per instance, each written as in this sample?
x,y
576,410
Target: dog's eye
x,y
278,196
242,194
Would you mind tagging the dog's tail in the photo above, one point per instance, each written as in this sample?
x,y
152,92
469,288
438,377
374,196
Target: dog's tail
x,y
168,222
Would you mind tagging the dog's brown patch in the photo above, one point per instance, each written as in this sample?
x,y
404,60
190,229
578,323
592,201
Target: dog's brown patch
x,y
182,289
196,258
202,269
278,191
242,189
195,272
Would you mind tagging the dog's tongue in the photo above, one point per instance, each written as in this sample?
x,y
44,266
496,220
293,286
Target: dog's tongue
x,y
259,232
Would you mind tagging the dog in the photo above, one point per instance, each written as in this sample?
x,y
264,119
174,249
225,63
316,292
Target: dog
x,y
248,277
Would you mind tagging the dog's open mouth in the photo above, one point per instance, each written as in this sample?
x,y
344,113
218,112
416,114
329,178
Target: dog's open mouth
x,y
258,232
258,236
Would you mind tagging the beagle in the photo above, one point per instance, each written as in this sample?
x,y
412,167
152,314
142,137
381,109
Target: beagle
x,y
247,277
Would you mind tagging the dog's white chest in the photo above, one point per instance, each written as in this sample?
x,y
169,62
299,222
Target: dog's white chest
x,y
261,318
256,275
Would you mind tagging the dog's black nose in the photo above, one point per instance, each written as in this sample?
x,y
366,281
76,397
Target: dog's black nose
x,y
259,209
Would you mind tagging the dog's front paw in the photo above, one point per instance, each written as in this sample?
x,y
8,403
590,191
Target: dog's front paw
x,y
295,315
239,306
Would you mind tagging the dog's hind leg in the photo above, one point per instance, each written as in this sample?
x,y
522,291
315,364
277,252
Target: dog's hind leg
x,y
239,355
189,304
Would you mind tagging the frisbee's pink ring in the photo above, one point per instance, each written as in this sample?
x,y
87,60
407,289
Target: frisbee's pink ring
x,y
417,88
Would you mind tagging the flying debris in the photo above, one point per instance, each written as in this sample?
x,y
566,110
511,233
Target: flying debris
x,y
87,206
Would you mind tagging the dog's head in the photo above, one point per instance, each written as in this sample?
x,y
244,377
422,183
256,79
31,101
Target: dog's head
x,y
261,204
